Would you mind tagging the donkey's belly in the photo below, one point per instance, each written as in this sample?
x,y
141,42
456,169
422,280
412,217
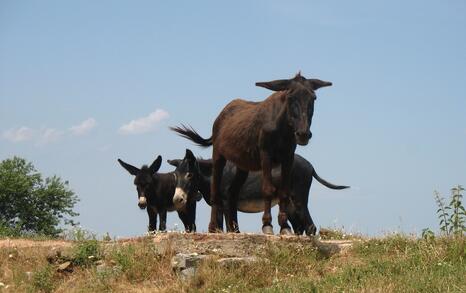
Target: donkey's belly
x,y
254,205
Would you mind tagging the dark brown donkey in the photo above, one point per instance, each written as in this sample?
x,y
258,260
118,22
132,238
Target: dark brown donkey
x,y
157,192
258,136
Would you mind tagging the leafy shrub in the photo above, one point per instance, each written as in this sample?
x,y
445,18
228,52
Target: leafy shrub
x,y
30,204
86,252
453,216
43,279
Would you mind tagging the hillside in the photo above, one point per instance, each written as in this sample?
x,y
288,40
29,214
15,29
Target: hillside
x,y
178,262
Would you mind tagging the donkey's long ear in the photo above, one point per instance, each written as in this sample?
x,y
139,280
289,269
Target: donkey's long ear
x,y
317,83
275,85
189,155
175,162
156,165
192,161
131,169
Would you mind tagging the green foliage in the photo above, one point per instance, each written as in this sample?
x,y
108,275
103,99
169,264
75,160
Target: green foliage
x,y
428,234
8,231
452,217
124,257
458,214
87,249
43,280
442,212
30,204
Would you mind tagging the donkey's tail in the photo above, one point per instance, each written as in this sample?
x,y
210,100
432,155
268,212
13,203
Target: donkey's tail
x,y
191,134
326,183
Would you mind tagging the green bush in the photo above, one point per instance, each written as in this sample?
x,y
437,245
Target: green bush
x,y
42,280
31,205
452,217
86,252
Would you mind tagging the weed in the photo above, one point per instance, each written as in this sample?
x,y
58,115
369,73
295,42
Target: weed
x,y
458,213
43,279
452,218
86,252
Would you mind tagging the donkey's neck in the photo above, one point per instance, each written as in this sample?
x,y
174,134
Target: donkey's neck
x,y
283,129
204,187
166,183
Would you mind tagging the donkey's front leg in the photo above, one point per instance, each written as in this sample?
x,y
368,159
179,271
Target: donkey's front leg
x,y
231,213
268,191
163,220
152,213
284,195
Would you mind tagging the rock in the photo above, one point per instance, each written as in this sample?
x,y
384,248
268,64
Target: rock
x,y
65,267
188,273
59,255
185,264
183,261
330,247
235,261
53,255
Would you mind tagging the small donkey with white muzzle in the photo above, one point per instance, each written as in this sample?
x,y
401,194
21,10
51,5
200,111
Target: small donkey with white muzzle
x,y
156,192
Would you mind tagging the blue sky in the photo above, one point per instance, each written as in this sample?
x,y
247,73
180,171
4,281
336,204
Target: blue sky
x,y
86,82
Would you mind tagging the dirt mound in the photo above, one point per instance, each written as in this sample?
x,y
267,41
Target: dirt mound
x,y
222,244
234,244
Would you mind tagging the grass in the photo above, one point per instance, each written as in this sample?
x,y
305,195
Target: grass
x,y
395,263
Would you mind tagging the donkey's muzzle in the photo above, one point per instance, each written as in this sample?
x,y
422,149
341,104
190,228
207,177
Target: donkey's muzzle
x,y
180,198
302,137
142,202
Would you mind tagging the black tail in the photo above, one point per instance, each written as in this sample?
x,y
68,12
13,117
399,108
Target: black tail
x,y
191,134
326,183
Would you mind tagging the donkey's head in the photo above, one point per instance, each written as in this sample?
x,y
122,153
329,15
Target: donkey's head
x,y
188,177
144,180
300,97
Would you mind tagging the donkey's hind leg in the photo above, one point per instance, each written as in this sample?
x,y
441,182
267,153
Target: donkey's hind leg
x,y
231,213
218,163
284,195
268,191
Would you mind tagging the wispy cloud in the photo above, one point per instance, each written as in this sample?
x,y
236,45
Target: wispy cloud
x,y
19,134
104,148
83,128
46,135
144,124
49,135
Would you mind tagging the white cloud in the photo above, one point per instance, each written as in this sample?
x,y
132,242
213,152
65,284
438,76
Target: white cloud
x,y
83,128
49,135
144,124
104,148
19,134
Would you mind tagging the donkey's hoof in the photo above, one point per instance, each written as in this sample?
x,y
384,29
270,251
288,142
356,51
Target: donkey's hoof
x,y
311,230
286,231
214,229
267,230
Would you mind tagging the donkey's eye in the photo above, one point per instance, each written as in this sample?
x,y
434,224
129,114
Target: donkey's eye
x,y
189,175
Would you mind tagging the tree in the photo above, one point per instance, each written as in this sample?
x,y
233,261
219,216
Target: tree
x,y
31,205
